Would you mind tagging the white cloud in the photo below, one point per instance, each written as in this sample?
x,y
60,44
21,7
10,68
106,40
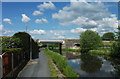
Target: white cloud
x,y
1,27
60,37
37,13
44,20
94,29
56,34
7,32
41,20
45,5
25,18
7,20
38,21
41,32
77,30
51,31
92,16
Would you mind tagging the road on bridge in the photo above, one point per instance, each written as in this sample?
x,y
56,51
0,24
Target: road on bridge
x,y
36,67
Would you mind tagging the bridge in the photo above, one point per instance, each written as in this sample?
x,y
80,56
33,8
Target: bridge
x,y
59,42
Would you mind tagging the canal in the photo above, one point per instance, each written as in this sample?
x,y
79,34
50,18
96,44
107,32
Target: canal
x,y
92,66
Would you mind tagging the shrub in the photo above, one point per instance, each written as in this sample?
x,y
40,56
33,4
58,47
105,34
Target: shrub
x,y
10,42
61,63
13,50
89,41
25,38
108,36
115,50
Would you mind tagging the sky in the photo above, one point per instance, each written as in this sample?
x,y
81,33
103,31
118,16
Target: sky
x,y
58,20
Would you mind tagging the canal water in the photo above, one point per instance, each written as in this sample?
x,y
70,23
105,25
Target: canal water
x,y
93,66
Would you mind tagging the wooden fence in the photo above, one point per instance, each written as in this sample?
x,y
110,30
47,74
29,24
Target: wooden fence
x,y
9,62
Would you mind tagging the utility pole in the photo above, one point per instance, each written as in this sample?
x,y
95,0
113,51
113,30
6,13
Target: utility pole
x,y
26,28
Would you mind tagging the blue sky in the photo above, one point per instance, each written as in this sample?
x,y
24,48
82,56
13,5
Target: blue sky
x,y
58,20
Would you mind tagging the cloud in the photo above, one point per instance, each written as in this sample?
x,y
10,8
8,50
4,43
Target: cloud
x,y
41,32
119,22
51,31
41,20
1,28
7,32
37,13
78,30
56,34
7,20
45,5
60,37
91,16
25,18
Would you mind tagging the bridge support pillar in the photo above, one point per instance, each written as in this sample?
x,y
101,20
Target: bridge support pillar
x,y
47,46
60,45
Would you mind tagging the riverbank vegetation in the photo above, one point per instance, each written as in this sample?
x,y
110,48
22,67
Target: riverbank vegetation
x,y
91,43
61,63
71,50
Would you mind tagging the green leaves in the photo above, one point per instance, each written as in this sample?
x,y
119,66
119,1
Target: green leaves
x,y
89,40
108,36
11,43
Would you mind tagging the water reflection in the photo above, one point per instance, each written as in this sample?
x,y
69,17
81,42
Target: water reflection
x,y
92,66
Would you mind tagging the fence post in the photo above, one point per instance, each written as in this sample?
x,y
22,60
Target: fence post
x,y
12,63
1,67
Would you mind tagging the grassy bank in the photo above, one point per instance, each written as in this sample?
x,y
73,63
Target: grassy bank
x,y
62,64
71,50
53,72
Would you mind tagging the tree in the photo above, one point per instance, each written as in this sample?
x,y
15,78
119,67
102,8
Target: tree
x,y
109,36
25,38
89,41
115,50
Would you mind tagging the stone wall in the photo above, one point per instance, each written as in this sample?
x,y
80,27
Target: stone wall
x,y
70,43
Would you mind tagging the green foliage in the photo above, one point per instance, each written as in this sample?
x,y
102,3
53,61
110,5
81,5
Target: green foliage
x,y
100,52
69,72
61,63
52,70
115,50
71,50
12,50
25,38
11,43
108,36
89,40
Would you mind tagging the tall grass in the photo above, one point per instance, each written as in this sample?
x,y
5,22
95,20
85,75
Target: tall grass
x,y
61,63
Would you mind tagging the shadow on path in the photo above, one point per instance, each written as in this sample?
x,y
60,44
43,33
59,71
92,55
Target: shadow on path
x,y
36,67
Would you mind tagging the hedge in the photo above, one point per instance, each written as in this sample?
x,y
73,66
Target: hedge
x,y
25,38
13,50
62,64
